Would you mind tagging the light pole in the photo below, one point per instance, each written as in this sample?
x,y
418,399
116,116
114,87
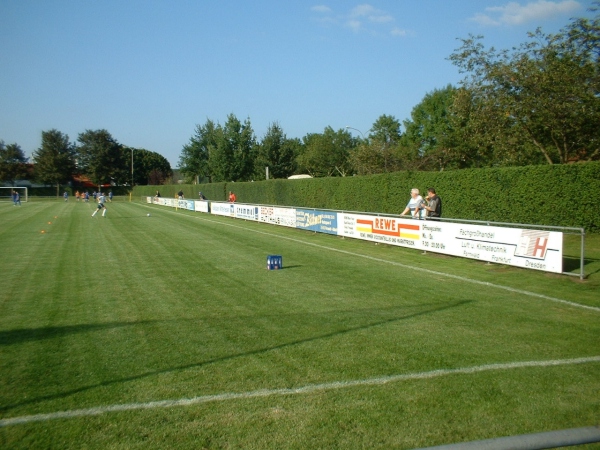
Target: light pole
x,y
132,167
356,129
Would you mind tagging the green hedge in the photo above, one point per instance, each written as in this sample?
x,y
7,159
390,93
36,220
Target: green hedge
x,y
50,191
212,191
561,195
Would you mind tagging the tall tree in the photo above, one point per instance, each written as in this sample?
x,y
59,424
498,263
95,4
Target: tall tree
x,y
232,158
277,153
547,91
194,158
55,159
149,165
386,129
102,158
377,153
12,163
431,132
327,154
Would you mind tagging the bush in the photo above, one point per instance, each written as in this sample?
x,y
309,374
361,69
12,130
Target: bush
x,y
559,195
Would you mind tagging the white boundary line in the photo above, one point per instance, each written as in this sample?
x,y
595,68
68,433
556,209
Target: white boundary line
x,y
308,389
418,269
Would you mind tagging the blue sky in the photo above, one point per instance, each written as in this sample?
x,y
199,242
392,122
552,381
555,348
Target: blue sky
x,y
150,71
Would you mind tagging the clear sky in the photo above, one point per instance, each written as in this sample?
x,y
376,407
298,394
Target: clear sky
x,y
149,71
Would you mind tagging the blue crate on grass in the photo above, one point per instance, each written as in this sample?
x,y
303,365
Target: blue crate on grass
x,y
274,262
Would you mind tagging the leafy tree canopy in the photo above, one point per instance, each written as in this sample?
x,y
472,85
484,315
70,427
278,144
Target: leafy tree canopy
x,y
55,159
543,96
12,163
102,158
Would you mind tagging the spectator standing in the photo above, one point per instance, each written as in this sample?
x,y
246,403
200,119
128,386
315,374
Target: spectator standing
x,y
434,205
414,204
232,197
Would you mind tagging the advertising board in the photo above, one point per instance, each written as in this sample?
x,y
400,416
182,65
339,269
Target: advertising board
x,y
315,220
201,206
387,230
277,216
532,249
246,212
186,204
222,209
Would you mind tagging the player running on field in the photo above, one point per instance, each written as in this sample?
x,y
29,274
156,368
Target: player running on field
x,y
101,200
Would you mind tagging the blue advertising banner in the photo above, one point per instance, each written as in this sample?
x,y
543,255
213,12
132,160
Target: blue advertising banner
x,y
315,220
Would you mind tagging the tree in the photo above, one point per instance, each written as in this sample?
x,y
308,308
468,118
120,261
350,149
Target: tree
x,y
102,158
277,153
543,95
149,167
12,163
194,159
55,159
232,157
386,129
378,153
327,154
432,132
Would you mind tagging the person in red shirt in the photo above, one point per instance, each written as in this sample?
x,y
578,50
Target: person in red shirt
x,y
232,197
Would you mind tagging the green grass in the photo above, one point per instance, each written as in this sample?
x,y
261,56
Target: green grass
x,y
131,309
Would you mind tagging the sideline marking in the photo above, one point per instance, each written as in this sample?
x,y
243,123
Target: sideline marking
x,y
419,269
290,391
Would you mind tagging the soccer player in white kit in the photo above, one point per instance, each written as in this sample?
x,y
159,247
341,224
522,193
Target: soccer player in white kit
x,y
101,200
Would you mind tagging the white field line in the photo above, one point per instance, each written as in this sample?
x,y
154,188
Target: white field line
x,y
418,269
290,391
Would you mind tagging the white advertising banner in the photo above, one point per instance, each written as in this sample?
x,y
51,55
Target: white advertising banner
x,y
201,206
277,216
247,212
222,209
531,249
387,230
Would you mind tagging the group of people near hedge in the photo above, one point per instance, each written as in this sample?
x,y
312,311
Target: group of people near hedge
x,y
420,208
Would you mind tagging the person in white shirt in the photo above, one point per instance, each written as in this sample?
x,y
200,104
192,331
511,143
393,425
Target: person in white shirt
x,y
101,201
414,204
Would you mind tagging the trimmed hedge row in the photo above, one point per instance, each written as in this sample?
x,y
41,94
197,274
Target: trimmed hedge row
x,y
561,195
50,191
212,191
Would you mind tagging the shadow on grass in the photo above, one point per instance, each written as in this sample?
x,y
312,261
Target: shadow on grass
x,y
574,262
12,337
259,351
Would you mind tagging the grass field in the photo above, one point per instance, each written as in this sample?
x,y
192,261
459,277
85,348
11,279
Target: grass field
x,y
168,332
